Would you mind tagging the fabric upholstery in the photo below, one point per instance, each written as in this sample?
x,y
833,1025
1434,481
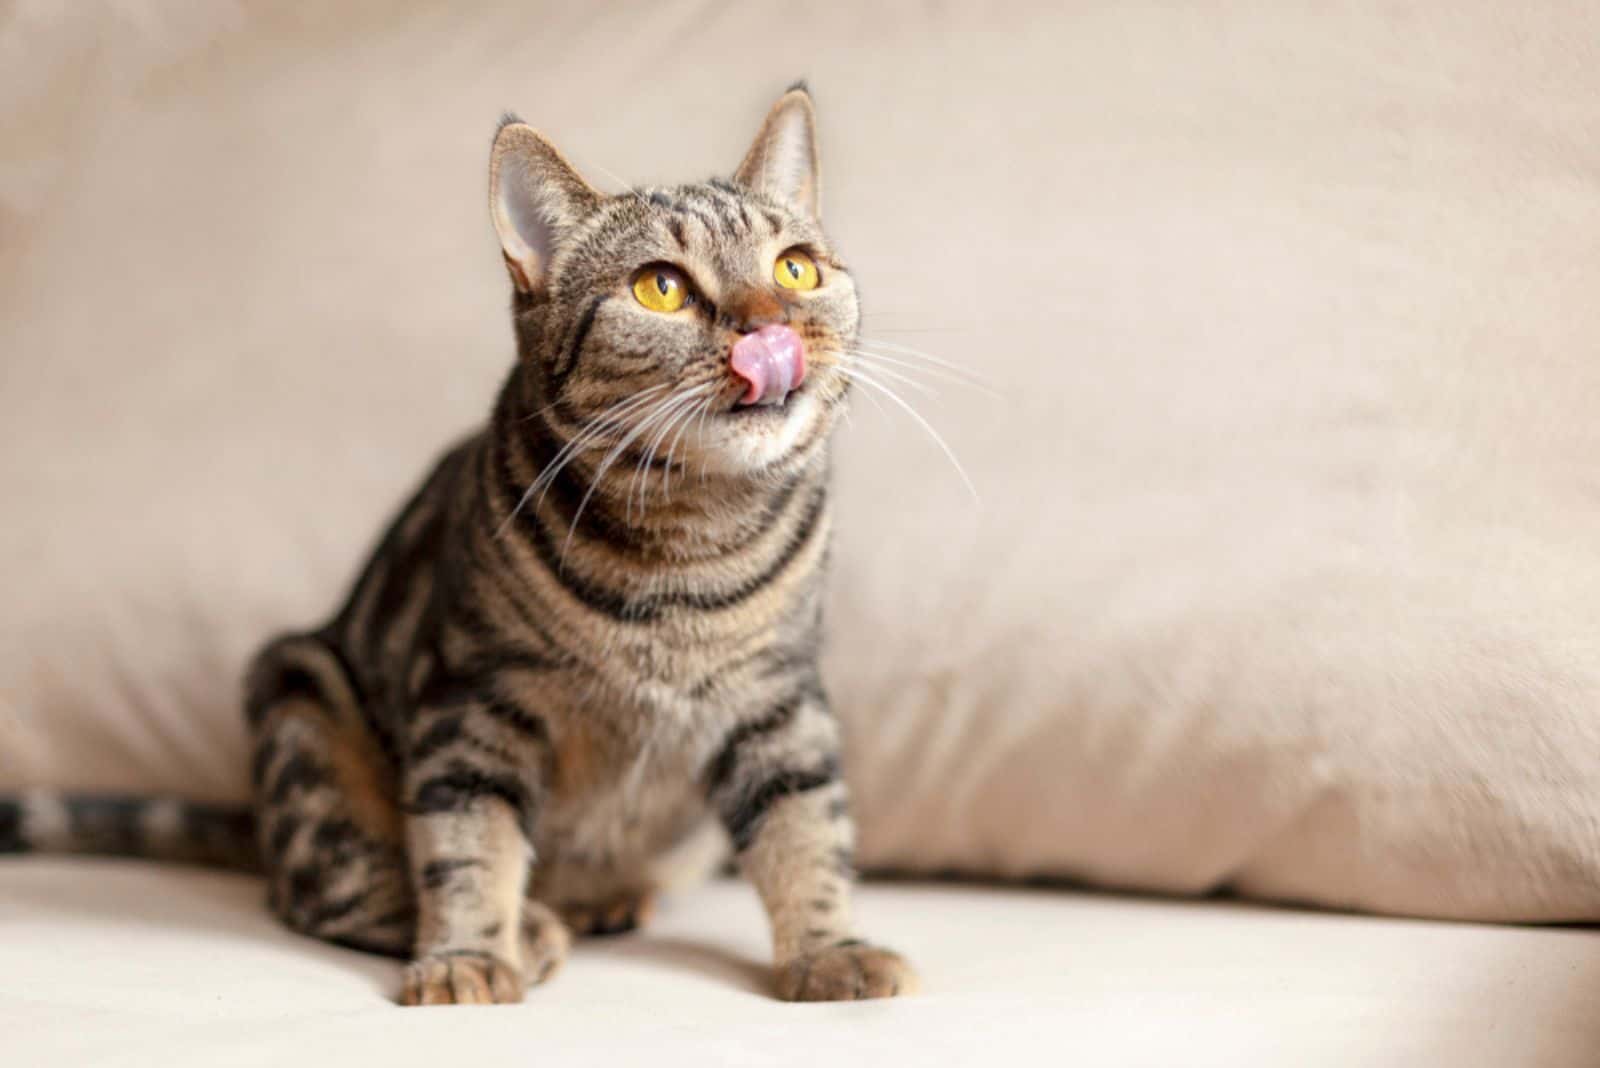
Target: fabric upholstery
x,y
1282,571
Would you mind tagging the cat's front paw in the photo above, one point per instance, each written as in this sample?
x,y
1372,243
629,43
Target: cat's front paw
x,y
460,978
846,971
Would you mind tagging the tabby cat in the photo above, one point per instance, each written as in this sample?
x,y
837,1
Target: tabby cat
x,y
583,660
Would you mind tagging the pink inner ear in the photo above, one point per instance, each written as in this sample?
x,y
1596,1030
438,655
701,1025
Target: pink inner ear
x,y
528,245
772,362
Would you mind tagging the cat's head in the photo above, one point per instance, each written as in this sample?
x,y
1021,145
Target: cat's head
x,y
711,315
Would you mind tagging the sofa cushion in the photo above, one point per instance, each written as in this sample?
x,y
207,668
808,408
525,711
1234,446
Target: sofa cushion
x,y
132,965
1281,573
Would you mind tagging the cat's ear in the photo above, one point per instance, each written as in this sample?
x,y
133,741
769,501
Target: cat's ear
x,y
535,197
782,163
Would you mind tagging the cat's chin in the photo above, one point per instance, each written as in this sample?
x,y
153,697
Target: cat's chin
x,y
759,437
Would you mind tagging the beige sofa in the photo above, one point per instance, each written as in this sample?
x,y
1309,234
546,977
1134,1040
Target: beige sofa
x,y
1278,578
119,965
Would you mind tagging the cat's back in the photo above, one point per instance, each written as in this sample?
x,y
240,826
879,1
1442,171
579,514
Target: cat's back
x,y
379,625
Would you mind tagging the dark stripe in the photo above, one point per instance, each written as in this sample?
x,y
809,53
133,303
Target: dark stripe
x,y
222,833
575,346
743,816
11,840
720,770
436,873
261,760
560,658
457,789
441,735
773,512
491,663
501,755
367,708
282,834
566,495
446,692
720,211
773,219
675,227
389,548
336,836
112,823
411,563
566,492
591,595
797,541
284,683
347,670
297,771
335,910
490,556
549,556
403,916
705,219
523,723
818,432
648,609
661,200
776,661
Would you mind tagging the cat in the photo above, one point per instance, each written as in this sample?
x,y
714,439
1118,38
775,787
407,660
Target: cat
x,y
581,665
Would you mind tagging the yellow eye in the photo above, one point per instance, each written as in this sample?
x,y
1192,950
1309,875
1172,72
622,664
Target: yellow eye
x,y
661,288
795,270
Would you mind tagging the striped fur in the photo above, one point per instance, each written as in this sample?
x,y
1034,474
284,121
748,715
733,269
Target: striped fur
x,y
582,661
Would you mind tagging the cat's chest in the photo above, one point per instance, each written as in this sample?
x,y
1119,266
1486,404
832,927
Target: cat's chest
x,y
620,795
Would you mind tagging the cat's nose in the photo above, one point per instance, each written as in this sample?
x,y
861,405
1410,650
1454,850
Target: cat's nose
x,y
771,361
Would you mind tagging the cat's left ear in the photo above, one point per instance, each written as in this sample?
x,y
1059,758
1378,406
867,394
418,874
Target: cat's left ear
x,y
535,198
783,161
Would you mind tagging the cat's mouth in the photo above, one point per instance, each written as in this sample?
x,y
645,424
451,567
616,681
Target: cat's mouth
x,y
738,409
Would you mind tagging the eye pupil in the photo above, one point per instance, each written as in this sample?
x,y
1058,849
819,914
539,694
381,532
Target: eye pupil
x,y
794,268
663,284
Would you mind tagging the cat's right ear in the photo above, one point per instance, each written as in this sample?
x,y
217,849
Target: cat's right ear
x,y
535,197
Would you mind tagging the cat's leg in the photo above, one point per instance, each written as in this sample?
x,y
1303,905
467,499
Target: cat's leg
x,y
329,829
473,784
775,784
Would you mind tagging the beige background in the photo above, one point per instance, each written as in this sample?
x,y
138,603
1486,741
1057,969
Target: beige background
x,y
1284,574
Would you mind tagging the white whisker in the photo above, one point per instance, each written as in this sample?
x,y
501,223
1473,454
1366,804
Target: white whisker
x,y
605,464
908,351
867,359
700,436
685,404
683,429
658,420
866,380
628,187
605,421
940,373
590,429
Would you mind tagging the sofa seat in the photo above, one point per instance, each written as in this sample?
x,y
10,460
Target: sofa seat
x,y
119,963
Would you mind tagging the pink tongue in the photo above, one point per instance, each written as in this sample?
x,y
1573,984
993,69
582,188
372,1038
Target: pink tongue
x,y
772,361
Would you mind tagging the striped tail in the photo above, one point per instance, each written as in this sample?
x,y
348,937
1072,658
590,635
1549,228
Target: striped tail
x,y
219,836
